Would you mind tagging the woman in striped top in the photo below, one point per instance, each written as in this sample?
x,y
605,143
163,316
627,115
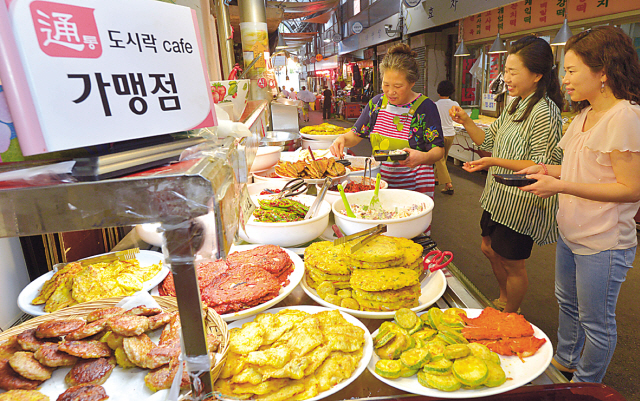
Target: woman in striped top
x,y
400,119
525,134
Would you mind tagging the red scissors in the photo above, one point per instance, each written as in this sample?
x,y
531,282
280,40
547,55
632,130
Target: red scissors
x,y
436,262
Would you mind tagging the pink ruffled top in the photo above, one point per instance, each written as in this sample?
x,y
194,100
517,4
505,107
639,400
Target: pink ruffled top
x,y
587,226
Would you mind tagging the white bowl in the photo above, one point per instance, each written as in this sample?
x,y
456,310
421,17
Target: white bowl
x,y
358,161
406,227
266,157
331,196
256,188
316,144
262,176
287,234
149,233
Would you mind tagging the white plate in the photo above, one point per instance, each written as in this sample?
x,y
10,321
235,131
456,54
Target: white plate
x,y
145,258
518,373
432,289
294,279
319,137
366,355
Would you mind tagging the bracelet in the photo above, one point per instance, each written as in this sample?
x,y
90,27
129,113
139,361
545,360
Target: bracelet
x,y
544,168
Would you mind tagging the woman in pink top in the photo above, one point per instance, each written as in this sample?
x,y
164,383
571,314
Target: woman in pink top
x,y
599,194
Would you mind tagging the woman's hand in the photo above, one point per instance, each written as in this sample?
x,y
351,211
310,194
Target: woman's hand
x,y
337,147
480,164
414,159
545,187
458,115
535,169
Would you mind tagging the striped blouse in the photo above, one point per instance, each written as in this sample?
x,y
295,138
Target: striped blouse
x,y
536,139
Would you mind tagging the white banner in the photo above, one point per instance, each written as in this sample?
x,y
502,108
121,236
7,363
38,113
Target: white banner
x,y
103,71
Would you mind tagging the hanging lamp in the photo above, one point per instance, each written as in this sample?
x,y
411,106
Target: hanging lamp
x,y
461,51
563,34
497,46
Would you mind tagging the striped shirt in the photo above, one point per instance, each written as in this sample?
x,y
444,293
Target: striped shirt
x,y
536,139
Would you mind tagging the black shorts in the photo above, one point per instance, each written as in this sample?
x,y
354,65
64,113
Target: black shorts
x,y
504,241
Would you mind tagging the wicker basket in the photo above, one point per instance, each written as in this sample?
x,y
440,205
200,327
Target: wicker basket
x,y
214,323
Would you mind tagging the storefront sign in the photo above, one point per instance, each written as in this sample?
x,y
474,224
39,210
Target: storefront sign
x,y
356,27
99,74
411,3
488,102
530,14
319,57
434,13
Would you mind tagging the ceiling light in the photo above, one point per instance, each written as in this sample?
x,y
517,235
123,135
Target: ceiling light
x,y
563,34
497,46
462,51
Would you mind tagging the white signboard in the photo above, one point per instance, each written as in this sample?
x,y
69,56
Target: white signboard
x,y
488,102
356,27
103,71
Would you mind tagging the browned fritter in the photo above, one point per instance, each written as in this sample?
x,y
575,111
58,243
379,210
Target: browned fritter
x,y
157,321
143,311
50,355
104,313
89,330
23,395
10,347
10,380
271,258
160,378
29,342
83,393
206,272
58,327
24,364
129,325
137,349
213,342
240,288
90,371
171,331
85,349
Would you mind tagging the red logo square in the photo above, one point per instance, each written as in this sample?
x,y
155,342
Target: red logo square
x,y
66,31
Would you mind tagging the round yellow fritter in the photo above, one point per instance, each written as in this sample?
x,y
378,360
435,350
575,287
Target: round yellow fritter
x,y
383,279
319,275
23,395
411,292
412,252
386,306
313,283
358,264
327,257
380,249
325,288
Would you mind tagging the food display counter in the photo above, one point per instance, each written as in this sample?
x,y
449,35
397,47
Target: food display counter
x,y
463,149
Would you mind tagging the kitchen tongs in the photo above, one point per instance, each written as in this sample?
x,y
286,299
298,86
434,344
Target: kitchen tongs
x,y
105,258
368,235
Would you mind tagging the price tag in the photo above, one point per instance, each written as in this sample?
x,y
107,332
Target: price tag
x,y
247,207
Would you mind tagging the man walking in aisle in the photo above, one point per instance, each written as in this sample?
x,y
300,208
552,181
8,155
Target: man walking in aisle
x,y
326,105
306,97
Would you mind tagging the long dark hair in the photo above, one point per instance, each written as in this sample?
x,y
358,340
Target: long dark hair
x,y
609,49
537,57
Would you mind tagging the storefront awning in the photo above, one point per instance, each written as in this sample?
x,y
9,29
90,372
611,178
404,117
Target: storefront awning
x,y
322,18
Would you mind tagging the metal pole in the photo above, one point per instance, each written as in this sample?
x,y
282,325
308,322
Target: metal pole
x,y
255,41
225,37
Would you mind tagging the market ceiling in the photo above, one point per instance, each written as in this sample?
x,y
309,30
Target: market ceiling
x,y
278,11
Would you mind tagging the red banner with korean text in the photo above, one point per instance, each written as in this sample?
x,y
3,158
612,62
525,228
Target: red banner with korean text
x,y
531,14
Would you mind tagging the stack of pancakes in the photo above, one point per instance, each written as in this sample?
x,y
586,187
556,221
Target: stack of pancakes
x,y
387,274
383,274
325,262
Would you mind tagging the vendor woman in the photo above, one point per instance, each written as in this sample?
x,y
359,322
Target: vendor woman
x,y
400,119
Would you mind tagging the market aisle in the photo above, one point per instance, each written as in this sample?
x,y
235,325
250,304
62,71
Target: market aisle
x,y
456,228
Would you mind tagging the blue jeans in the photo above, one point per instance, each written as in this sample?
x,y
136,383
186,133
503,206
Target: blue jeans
x,y
587,289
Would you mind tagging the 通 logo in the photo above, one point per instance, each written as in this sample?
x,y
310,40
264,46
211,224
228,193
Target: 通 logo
x,y
64,30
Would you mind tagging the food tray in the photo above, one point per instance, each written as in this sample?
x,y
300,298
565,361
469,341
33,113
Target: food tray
x,y
514,180
383,155
520,373
431,289
145,258
367,350
129,377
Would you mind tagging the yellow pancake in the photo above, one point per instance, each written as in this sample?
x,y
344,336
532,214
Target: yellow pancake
x,y
380,249
383,279
411,292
